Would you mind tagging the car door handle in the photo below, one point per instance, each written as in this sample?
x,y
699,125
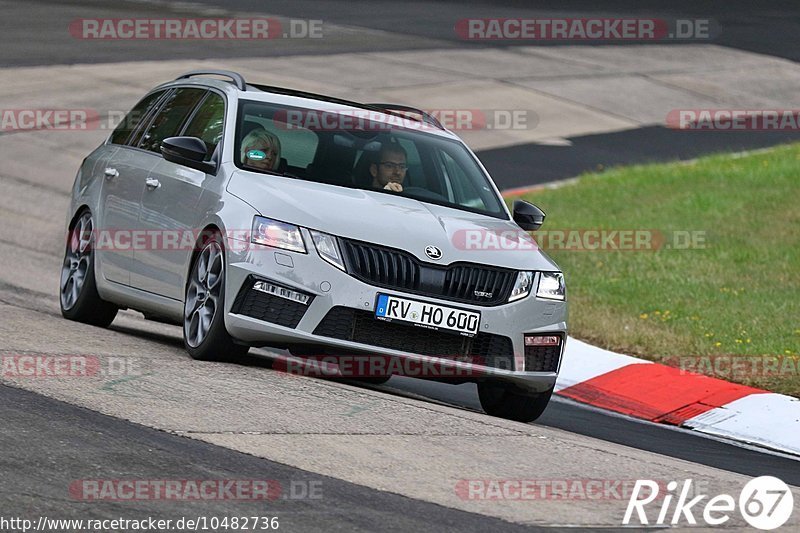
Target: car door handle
x,y
152,183
110,173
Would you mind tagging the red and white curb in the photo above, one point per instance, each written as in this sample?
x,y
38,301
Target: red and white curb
x,y
669,395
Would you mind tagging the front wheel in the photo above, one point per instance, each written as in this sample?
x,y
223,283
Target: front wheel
x,y
204,333
505,402
78,295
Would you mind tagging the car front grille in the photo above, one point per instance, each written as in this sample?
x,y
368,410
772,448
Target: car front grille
x,y
399,270
542,358
355,325
267,307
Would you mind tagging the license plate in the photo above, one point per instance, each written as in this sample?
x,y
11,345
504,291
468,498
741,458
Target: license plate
x,y
426,315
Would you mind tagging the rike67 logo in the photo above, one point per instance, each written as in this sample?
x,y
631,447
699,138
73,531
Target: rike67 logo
x,y
765,503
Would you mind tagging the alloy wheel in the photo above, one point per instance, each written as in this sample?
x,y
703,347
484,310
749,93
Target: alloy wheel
x,y
77,261
203,295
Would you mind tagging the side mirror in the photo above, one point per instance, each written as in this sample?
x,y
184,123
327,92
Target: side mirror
x,y
528,216
187,151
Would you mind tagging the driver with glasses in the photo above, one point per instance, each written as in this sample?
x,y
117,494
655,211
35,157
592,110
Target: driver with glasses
x,y
390,170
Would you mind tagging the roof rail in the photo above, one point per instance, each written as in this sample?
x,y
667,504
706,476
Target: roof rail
x,y
426,117
304,94
236,78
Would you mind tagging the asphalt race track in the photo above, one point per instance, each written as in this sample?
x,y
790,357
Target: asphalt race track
x,y
53,440
387,457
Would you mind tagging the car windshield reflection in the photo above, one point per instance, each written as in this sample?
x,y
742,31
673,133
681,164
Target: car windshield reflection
x,y
394,155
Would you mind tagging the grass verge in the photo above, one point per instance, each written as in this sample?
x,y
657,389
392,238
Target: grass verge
x,y
720,294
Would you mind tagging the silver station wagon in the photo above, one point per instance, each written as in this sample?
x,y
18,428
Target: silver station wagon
x,y
254,215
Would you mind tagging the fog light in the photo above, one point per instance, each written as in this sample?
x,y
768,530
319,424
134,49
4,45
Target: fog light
x,y
542,340
281,292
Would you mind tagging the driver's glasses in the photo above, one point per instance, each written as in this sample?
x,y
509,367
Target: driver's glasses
x,y
402,167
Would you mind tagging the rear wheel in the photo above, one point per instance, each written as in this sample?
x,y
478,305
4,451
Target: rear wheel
x,y
204,333
506,402
78,295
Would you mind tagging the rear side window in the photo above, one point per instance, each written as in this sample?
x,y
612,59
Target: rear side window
x,y
169,120
134,117
206,124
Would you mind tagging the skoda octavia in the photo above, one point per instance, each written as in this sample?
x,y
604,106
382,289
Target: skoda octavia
x,y
261,216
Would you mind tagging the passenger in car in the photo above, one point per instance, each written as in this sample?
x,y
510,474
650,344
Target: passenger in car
x,y
390,170
261,150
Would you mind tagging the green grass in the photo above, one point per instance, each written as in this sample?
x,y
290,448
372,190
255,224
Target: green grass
x,y
739,295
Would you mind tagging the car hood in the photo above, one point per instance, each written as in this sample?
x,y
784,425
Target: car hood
x,y
392,221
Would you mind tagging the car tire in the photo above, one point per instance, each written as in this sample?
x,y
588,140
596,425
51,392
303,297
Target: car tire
x,y
204,334
78,295
506,402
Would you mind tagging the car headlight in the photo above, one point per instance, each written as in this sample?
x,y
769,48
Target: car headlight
x,y
328,248
551,286
522,287
277,234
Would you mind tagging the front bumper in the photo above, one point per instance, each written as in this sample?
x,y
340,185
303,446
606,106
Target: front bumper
x,y
333,289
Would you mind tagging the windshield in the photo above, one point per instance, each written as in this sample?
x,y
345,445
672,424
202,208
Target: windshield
x,y
349,150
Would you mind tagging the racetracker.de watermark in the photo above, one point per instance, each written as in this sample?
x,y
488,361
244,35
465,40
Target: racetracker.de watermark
x,y
545,489
454,119
738,366
378,366
174,489
32,119
251,28
734,119
68,366
589,239
585,29
122,240
181,490
39,119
